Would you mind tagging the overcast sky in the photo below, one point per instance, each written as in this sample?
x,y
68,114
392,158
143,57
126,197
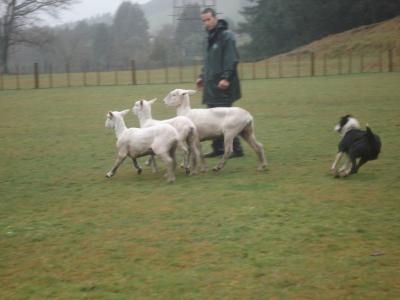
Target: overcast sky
x,y
86,9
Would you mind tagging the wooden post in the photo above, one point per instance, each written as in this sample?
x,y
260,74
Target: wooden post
x,y
195,74
266,68
1,80
18,86
84,77
133,72
254,69
51,76
36,74
180,71
116,79
166,74
312,64
98,78
148,80
390,60
67,74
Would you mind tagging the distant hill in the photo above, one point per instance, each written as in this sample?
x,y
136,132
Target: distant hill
x,y
378,36
159,12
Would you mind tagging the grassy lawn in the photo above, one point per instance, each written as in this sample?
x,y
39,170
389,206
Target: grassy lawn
x,y
292,232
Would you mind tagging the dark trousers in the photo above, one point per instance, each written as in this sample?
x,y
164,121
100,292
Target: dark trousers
x,y
218,143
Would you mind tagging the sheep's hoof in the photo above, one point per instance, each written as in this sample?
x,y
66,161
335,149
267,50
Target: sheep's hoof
x,y
216,169
171,180
139,171
187,171
262,168
109,175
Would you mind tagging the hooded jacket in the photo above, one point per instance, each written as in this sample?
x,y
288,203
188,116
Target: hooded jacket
x,y
220,62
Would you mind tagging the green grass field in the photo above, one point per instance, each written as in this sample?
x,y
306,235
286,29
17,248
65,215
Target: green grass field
x,y
292,232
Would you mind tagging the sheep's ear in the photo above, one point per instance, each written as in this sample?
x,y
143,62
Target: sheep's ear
x,y
152,100
110,114
191,92
141,102
125,112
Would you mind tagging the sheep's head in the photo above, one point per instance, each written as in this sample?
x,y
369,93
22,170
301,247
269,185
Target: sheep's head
x,y
176,97
142,105
113,115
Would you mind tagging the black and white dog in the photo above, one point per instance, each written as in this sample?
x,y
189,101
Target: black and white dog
x,y
357,144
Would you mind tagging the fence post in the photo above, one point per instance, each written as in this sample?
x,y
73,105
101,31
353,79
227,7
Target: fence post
x,y
298,73
166,75
36,74
133,72
180,71
280,66
67,74
312,61
241,71
84,77
98,79
116,79
194,70
18,86
390,60
51,76
148,73
266,68
254,69
1,80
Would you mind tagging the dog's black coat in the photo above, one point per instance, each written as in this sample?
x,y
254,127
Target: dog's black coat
x,y
360,144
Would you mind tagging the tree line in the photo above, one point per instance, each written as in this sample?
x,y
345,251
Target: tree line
x,y
274,26
277,26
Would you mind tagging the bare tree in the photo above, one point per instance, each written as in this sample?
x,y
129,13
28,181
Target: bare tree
x,y
16,16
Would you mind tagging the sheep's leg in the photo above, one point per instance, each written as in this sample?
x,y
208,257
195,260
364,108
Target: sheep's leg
x,y
170,163
153,164
120,159
137,167
228,145
186,157
249,136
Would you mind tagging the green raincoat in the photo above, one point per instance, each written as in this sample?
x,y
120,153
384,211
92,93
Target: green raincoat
x,y
220,62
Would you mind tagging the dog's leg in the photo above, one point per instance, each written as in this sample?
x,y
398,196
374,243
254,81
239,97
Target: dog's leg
x,y
338,157
355,168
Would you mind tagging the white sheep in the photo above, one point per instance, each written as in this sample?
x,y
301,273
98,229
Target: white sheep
x,y
158,140
220,121
188,136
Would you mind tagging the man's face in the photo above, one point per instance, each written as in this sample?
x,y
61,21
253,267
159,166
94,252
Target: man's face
x,y
209,21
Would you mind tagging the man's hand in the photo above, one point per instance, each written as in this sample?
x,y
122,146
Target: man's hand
x,y
199,84
223,84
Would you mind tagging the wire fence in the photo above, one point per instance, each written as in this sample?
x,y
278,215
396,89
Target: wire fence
x,y
301,64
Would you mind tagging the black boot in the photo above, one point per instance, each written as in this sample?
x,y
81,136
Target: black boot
x,y
218,148
237,148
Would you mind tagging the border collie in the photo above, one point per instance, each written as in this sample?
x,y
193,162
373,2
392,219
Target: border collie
x,y
357,144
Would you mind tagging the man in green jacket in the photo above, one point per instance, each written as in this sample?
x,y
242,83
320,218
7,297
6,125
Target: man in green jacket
x,y
219,78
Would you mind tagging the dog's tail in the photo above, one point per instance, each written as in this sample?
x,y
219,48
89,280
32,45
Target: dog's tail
x,y
374,141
